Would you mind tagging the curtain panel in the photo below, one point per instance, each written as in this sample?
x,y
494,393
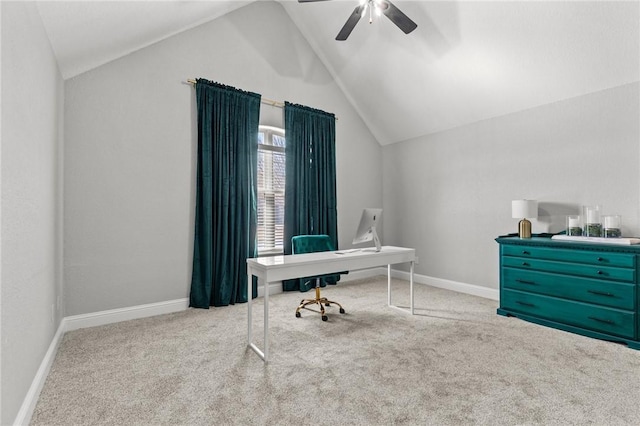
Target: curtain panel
x,y
226,200
310,181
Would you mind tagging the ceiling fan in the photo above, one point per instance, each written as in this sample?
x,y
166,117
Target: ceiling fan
x,y
396,16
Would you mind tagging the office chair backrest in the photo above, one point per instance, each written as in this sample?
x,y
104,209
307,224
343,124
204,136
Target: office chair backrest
x,y
311,244
314,243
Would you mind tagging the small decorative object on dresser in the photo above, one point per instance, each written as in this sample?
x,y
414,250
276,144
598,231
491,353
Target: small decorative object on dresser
x,y
588,288
592,224
523,209
612,226
574,227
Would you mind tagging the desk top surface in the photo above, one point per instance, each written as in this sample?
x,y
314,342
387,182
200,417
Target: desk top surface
x,y
328,256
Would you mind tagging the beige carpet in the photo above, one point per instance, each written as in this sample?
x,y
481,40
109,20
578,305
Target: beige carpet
x,y
455,362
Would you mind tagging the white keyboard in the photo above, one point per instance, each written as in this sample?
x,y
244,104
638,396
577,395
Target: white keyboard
x,y
347,251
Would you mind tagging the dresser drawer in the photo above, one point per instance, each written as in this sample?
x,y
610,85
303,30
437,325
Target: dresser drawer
x,y
585,270
608,320
623,260
601,292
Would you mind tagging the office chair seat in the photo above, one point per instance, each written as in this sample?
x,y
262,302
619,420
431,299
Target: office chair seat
x,y
311,244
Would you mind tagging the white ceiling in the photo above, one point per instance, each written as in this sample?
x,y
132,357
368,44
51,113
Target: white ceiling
x,y
87,34
466,61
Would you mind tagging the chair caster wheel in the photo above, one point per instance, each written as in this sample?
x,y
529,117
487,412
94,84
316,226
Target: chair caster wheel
x,y
298,315
341,311
324,318
327,304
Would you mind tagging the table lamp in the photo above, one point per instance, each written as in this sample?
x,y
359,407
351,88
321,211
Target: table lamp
x,y
523,209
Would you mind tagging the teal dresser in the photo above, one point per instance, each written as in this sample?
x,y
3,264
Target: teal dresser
x,y
585,288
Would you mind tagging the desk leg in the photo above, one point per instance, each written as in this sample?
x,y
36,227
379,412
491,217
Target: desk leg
x,y
250,343
410,310
389,285
249,300
411,285
266,320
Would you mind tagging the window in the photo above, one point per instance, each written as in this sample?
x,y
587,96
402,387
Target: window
x,y
271,173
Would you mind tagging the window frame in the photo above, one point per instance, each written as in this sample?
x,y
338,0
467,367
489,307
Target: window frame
x,y
268,133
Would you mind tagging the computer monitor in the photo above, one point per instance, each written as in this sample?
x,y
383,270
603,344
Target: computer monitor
x,y
367,227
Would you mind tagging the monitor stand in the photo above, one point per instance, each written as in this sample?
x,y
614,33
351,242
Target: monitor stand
x,y
376,240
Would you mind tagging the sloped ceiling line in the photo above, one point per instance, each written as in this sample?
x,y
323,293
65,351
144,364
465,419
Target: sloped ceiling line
x,y
466,61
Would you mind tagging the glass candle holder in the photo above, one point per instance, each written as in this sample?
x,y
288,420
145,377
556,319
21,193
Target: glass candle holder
x,y
612,226
574,227
592,223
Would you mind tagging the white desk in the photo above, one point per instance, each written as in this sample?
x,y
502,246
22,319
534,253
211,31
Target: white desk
x,y
278,268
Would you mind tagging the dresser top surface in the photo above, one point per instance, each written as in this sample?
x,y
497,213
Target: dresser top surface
x,y
576,245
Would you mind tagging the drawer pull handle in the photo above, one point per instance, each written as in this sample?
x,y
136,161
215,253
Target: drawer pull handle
x,y
525,252
525,282
606,321
600,259
524,303
525,264
600,293
600,273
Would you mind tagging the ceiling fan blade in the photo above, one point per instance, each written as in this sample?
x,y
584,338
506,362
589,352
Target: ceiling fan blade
x,y
351,23
397,17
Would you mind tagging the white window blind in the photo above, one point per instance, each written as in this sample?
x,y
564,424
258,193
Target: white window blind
x,y
271,173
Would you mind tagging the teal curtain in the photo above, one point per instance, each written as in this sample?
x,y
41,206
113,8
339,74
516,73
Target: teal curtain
x,y
226,202
310,182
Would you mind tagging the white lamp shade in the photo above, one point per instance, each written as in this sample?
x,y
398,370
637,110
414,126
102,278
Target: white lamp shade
x,y
521,209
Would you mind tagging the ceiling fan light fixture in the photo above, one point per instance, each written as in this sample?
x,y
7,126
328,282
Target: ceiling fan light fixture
x,y
385,7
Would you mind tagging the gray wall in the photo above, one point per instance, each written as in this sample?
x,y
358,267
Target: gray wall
x,y
31,233
449,194
130,152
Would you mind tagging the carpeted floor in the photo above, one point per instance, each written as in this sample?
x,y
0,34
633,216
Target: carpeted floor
x,y
454,363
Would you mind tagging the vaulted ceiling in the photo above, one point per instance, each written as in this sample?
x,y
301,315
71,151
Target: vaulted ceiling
x,y
466,61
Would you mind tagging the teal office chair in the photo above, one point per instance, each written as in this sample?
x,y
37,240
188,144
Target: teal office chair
x,y
311,244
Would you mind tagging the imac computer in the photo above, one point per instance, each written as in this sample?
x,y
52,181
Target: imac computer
x,y
367,228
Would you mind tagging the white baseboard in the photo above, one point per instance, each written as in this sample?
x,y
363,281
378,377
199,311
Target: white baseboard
x,y
124,314
31,399
142,311
274,288
475,290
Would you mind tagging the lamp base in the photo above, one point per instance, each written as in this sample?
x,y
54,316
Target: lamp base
x,y
524,229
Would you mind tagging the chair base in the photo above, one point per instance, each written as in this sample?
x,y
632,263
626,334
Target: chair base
x,y
321,302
